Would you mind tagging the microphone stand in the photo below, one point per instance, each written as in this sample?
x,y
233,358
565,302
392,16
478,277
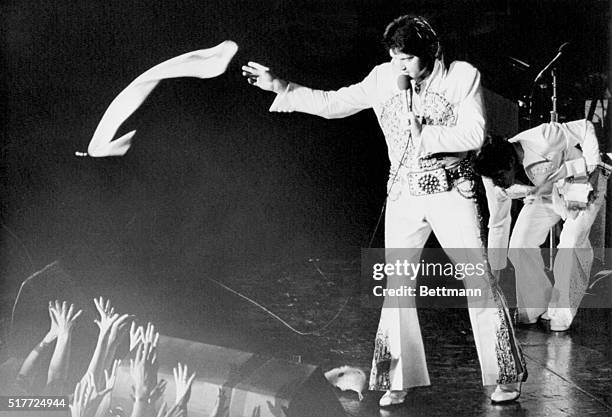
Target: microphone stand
x,y
539,76
554,118
530,104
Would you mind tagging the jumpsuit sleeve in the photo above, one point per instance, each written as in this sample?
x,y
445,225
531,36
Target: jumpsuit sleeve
x,y
582,132
499,224
328,104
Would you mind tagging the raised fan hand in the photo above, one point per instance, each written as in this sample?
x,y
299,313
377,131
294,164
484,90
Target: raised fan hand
x,y
107,314
96,396
141,335
63,317
87,398
116,330
143,370
136,335
81,402
183,384
150,335
53,329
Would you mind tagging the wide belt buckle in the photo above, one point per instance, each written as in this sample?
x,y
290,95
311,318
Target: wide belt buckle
x,y
430,181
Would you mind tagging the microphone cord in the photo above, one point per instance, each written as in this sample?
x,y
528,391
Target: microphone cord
x,y
317,332
390,187
384,206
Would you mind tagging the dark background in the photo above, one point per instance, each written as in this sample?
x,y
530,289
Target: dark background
x,y
215,183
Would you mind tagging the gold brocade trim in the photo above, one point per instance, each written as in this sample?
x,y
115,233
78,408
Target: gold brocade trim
x,y
379,375
510,360
436,111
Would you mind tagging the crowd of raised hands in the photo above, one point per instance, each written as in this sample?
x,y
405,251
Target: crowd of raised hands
x,y
91,397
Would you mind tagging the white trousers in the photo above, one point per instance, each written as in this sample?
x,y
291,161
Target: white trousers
x,y
572,265
399,357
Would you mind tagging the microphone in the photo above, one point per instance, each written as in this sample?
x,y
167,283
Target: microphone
x,y
404,84
551,63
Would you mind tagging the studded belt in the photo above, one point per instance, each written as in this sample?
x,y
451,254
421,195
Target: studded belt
x,y
438,179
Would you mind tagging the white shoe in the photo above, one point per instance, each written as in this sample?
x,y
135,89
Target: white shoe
x,y
392,398
545,316
559,326
524,319
560,319
506,393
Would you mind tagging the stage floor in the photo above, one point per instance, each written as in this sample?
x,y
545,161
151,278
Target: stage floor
x,y
570,373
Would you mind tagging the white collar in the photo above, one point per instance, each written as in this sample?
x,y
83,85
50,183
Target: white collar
x,y
435,76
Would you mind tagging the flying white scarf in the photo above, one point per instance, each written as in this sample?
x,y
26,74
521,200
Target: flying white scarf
x,y
203,63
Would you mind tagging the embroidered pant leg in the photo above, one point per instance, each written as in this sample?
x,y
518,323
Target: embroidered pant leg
x,y
533,287
572,267
458,231
399,356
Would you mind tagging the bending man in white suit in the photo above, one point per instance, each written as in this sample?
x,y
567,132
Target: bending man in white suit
x,y
565,185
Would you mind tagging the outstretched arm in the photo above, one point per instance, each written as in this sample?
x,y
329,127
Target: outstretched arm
x,y
104,396
183,391
87,399
116,332
328,104
110,325
143,370
183,383
33,359
58,367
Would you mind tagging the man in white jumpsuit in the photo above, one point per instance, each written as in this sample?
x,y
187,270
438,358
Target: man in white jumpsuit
x,y
430,188
561,172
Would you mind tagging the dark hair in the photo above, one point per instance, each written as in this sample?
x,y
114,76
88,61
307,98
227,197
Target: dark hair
x,y
410,34
496,154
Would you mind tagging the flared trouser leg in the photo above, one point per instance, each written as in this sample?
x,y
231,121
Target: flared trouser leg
x,y
533,287
573,262
399,355
399,358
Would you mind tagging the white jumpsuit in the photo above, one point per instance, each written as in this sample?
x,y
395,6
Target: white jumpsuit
x,y
450,101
